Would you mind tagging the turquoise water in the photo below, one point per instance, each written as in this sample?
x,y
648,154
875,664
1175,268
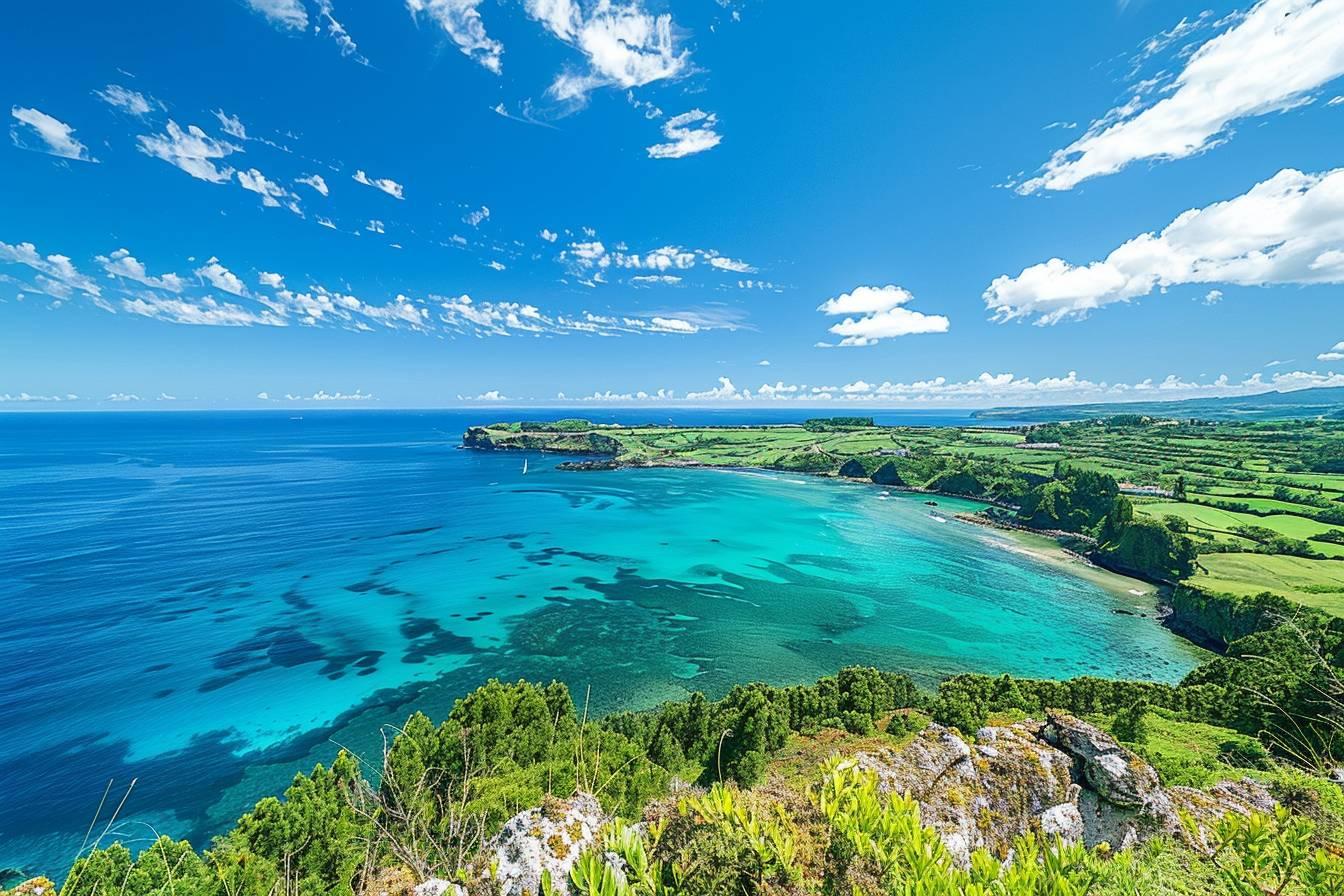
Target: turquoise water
x,y
208,602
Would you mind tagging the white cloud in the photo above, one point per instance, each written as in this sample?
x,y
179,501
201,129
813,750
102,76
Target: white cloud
x,y
549,236
1288,229
881,314
724,263
271,279
222,278
624,45
476,217
54,137
25,397
763,363
1213,297
1336,353
57,275
122,396
264,396
338,33
122,263
492,395
687,134
665,279
724,391
130,101
231,124
316,181
387,185
375,226
1335,101
461,21
495,266
1271,60
271,193
282,13
207,312
192,150
324,395
990,389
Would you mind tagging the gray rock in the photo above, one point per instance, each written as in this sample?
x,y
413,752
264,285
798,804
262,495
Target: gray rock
x,y
1114,772
985,796
550,838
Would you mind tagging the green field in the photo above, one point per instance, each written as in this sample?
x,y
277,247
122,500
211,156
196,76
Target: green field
x,y
1314,583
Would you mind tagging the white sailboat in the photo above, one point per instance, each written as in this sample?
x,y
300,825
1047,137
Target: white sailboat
x,y
524,466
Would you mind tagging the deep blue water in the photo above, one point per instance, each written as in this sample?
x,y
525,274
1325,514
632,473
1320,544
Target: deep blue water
x,y
208,602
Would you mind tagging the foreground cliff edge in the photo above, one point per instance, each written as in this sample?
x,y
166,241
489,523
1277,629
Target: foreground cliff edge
x,y
857,784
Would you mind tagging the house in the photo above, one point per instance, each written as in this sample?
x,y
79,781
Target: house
x,y
1148,491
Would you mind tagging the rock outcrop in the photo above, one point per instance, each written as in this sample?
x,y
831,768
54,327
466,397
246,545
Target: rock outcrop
x,y
981,796
550,838
1062,777
887,474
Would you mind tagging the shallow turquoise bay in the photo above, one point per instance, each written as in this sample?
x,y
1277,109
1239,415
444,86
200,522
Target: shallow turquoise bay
x,y
210,602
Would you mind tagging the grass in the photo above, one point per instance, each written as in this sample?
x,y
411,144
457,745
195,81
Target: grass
x,y
1313,583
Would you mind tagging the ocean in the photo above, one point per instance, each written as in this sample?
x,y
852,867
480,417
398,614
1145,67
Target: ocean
x,y
208,602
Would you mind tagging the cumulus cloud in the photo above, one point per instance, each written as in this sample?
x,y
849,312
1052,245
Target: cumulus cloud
x,y
591,255
205,311
1288,229
231,124
624,45
989,389
476,217
461,21
122,263
687,134
549,236
874,313
324,395
192,150
282,13
132,102
387,185
37,131
1336,353
222,278
491,395
56,274
375,226
1270,60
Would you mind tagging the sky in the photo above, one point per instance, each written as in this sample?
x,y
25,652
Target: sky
x,y
436,203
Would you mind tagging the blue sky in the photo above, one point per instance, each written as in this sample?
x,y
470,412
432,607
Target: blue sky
x,y
248,203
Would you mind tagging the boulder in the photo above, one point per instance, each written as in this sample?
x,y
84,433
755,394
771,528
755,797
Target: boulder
x,y
1062,777
550,838
983,796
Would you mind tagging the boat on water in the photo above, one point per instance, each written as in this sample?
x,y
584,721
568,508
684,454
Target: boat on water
x,y
524,466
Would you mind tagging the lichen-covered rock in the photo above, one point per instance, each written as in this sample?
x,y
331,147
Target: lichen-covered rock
x,y
1206,807
37,886
437,886
1115,773
550,838
985,796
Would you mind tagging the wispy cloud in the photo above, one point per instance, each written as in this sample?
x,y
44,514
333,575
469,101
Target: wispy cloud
x,y
461,21
1270,60
687,134
132,102
39,132
624,45
288,14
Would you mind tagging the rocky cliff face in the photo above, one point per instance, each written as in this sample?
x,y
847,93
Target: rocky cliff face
x,y
1062,777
